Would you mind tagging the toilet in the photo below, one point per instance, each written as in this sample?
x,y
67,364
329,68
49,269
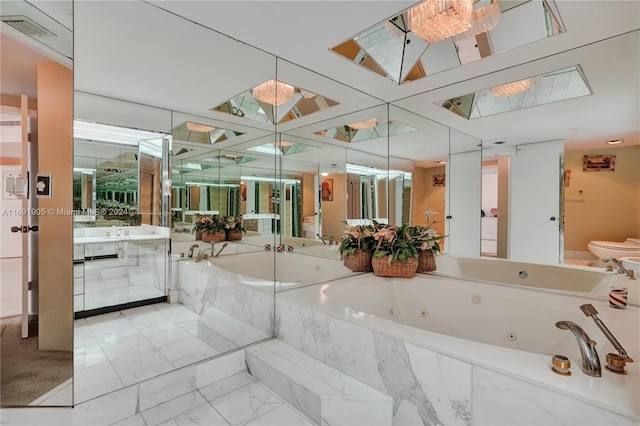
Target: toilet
x,y
627,248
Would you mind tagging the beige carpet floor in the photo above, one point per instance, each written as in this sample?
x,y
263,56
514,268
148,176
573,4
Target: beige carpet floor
x,y
27,373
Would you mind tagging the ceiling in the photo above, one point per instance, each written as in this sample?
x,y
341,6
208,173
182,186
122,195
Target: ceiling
x,y
190,56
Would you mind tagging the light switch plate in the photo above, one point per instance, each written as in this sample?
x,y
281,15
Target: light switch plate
x,y
13,183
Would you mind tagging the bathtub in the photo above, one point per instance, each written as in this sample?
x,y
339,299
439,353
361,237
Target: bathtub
x,y
292,269
585,281
456,351
296,242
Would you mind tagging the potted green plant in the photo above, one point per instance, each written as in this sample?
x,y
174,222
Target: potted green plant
x,y
234,228
395,254
135,218
356,247
425,239
212,228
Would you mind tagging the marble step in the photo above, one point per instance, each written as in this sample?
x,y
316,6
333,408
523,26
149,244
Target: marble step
x,y
326,395
223,332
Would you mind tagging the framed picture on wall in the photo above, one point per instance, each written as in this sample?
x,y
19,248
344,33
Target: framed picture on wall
x,y
327,189
438,180
598,163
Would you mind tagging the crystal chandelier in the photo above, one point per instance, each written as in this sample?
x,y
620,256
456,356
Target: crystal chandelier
x,y
512,88
484,19
436,20
364,124
273,92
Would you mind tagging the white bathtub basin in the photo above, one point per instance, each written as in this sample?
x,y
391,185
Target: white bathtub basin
x,y
584,281
327,251
292,269
506,329
231,248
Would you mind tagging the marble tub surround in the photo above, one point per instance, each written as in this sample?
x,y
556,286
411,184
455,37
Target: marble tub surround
x,y
324,394
202,287
435,378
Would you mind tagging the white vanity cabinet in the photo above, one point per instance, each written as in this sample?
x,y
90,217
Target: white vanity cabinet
x,y
118,270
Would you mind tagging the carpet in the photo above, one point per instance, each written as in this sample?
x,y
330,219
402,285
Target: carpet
x,y
27,373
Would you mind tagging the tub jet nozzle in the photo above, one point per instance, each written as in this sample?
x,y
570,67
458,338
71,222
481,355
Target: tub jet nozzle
x,y
590,311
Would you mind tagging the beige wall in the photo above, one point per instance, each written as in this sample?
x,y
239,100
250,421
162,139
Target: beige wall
x,y
334,212
308,199
55,156
609,206
425,194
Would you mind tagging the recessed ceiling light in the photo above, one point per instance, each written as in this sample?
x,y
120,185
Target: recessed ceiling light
x,y
614,142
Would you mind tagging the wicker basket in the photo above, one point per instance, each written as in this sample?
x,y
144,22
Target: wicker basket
x,y
234,234
215,236
426,261
199,233
381,267
360,261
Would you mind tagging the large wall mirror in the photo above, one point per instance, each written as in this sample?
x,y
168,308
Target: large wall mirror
x,y
200,159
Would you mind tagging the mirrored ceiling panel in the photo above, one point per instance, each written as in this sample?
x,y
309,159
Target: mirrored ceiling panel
x,y
555,86
423,40
281,148
275,102
370,128
190,131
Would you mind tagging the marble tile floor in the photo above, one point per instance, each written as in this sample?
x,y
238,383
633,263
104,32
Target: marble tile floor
x,y
101,292
235,400
117,349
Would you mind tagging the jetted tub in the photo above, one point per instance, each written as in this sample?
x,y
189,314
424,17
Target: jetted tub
x,y
590,282
464,341
292,269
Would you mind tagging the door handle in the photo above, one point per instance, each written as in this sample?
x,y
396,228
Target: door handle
x,y
553,218
24,229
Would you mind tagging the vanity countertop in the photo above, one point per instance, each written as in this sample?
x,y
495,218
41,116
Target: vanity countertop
x,y
118,238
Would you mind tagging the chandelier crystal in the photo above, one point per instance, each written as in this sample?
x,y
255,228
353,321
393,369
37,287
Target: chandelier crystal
x,y
273,92
364,124
436,20
510,89
484,19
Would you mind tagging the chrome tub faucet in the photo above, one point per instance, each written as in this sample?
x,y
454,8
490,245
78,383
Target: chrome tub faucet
x,y
190,254
203,253
590,359
615,362
621,268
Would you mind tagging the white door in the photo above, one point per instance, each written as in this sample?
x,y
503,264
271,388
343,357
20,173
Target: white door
x,y
534,214
463,219
18,219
